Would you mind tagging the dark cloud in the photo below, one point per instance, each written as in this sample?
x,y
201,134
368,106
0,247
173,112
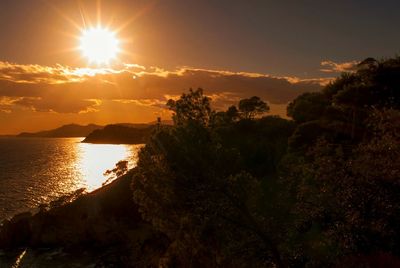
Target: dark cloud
x,y
62,89
57,106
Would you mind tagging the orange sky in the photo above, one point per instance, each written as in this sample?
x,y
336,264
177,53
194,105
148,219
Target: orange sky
x,y
232,49
36,97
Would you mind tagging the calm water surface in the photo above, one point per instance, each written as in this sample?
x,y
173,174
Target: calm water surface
x,y
38,170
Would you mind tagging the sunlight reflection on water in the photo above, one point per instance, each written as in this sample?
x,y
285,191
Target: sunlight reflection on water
x,y
94,159
38,170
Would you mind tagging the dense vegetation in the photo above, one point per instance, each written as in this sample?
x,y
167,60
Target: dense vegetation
x,y
238,189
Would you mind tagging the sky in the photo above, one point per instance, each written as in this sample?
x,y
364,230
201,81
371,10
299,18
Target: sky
x,y
233,49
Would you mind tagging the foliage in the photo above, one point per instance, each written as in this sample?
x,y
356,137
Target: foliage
x,y
120,169
193,106
320,190
348,101
65,199
252,107
192,185
260,143
348,203
225,118
307,107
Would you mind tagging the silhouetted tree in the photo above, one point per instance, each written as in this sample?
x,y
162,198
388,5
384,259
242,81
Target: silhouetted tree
x,y
317,191
193,106
225,118
308,107
120,169
232,113
347,203
344,105
252,107
196,190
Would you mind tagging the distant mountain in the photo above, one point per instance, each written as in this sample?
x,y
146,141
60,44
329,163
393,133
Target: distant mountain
x,y
71,130
163,122
132,125
121,134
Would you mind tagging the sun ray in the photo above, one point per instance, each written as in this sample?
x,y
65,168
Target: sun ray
x,y
65,17
136,16
82,16
97,40
98,6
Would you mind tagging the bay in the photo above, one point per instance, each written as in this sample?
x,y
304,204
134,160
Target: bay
x,y
34,171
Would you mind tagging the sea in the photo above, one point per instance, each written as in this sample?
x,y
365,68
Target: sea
x,y
35,171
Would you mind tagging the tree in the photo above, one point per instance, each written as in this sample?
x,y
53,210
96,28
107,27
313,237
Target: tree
x,y
308,107
195,188
120,169
252,107
193,106
232,113
192,189
347,198
225,118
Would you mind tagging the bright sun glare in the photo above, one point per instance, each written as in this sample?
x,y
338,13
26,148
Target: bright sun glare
x,y
99,45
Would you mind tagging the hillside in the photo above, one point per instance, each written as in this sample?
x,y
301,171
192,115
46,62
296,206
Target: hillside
x,y
120,134
102,229
71,130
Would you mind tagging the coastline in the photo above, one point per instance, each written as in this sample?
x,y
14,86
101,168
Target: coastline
x,y
104,221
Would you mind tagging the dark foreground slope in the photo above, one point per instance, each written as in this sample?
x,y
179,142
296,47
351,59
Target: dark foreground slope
x,y
120,134
101,228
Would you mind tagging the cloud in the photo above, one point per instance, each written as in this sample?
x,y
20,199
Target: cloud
x,y
333,67
19,73
143,102
6,104
62,89
64,106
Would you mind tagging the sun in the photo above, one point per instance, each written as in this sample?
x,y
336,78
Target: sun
x,y
99,45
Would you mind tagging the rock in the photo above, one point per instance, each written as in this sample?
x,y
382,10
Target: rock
x,y
16,232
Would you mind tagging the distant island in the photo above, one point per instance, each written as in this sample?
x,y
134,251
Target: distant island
x,y
66,131
121,134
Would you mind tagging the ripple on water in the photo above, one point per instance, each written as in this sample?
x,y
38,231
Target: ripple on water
x,y
38,170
